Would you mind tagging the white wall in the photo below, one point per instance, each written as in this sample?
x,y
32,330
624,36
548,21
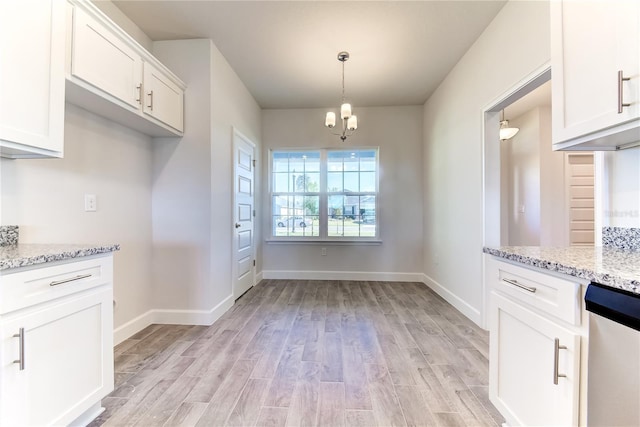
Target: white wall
x,y
398,133
523,177
534,179
512,47
621,189
553,207
232,107
122,20
45,197
192,182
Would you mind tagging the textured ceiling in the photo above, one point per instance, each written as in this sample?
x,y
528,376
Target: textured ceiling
x,y
285,51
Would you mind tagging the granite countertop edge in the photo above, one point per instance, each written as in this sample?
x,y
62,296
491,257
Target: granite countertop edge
x,y
607,278
24,255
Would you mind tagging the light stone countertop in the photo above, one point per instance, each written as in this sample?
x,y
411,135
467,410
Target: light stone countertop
x,y
23,255
617,268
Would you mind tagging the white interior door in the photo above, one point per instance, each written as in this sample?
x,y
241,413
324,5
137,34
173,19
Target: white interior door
x,y
243,214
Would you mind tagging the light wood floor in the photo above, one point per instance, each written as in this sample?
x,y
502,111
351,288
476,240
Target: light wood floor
x,y
296,353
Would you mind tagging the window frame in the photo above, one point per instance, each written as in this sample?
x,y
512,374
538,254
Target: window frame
x,y
323,201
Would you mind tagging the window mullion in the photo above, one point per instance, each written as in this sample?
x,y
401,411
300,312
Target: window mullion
x,y
323,194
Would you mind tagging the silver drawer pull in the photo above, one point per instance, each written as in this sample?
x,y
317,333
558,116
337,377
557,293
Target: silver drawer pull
x,y
621,104
556,356
73,279
20,360
520,285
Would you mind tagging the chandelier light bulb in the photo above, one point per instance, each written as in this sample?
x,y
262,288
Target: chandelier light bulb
x,y
352,123
330,121
345,111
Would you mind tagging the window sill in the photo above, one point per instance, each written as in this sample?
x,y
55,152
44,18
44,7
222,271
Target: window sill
x,y
326,242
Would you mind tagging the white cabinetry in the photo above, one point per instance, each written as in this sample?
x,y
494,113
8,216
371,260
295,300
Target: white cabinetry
x,y
537,341
112,75
32,37
163,98
56,353
591,42
102,59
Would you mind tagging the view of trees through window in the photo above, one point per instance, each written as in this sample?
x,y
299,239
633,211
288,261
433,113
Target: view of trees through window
x,y
324,193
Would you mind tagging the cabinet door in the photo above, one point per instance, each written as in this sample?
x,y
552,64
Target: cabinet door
x,y
68,360
163,98
591,42
32,37
522,367
101,58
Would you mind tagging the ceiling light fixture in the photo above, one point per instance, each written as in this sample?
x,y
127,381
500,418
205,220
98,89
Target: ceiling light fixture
x,y
349,121
505,131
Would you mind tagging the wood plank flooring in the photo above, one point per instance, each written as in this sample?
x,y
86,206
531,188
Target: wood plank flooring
x,y
306,353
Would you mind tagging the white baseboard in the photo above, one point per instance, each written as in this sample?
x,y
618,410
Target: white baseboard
x,y
133,326
171,317
460,304
259,277
342,275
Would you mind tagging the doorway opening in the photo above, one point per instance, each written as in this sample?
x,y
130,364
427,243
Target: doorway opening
x,y
533,196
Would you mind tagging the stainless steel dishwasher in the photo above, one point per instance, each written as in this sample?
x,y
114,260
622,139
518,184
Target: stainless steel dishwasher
x,y
613,397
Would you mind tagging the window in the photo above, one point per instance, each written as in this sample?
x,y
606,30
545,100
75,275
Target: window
x,y
329,194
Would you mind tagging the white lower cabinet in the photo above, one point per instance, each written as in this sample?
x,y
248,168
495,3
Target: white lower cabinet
x,y
530,389
537,368
57,355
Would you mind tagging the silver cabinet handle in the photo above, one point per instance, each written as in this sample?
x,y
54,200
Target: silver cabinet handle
x,y
556,360
139,98
621,79
520,285
73,279
151,100
20,360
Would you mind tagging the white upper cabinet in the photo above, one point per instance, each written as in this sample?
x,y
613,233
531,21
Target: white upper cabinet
x,y
595,59
102,59
110,74
163,99
32,37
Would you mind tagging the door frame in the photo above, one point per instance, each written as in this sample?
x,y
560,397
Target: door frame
x,y
491,199
235,136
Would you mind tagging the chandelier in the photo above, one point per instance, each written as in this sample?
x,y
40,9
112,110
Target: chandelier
x,y
349,121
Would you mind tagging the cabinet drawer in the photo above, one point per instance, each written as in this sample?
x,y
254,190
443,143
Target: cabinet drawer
x,y
553,295
29,287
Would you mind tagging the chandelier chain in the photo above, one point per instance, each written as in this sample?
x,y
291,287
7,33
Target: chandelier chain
x,y
343,81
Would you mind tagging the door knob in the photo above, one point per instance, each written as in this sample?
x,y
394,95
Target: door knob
x,y
238,225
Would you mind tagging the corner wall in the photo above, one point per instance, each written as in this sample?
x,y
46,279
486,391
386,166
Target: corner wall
x,y
192,185
513,46
45,197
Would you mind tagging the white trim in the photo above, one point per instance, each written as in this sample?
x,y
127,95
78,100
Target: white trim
x,y
328,242
533,80
133,326
258,278
458,303
342,275
89,415
172,317
598,196
237,138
